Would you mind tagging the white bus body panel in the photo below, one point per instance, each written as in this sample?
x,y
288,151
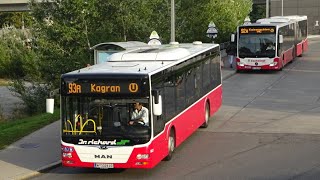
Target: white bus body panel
x,y
89,153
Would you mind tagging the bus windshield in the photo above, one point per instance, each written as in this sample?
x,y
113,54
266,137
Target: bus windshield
x,y
257,45
88,120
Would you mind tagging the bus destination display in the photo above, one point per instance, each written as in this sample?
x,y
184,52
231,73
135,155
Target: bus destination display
x,y
257,30
102,88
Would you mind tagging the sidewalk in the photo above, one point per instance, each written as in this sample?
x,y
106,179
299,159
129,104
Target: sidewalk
x,y
40,150
226,70
32,154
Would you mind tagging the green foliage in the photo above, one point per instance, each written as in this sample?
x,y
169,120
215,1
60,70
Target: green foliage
x,y
4,59
19,63
258,12
15,19
64,30
16,59
32,94
227,15
14,130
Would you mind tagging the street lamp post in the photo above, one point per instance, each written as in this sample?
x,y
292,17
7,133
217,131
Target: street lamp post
x,y
212,31
172,21
267,8
282,8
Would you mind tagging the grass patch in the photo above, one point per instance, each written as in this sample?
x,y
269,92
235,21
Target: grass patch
x,y
4,82
13,130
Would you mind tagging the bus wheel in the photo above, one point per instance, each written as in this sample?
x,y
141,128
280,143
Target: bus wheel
x,y
171,145
206,119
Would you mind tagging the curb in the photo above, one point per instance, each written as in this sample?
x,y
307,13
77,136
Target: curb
x,y
229,75
40,170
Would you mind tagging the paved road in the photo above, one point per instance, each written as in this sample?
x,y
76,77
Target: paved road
x,y
267,128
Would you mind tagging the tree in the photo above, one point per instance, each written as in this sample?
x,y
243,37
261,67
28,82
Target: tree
x,y
227,15
64,30
19,63
258,12
15,19
16,59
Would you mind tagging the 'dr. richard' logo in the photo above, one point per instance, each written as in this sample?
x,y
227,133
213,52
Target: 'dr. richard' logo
x,y
133,87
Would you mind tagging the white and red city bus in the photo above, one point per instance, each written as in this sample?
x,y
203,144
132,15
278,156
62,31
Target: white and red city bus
x,y
271,43
179,84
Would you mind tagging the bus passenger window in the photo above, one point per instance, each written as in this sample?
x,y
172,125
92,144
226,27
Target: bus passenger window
x,y
190,86
180,90
206,75
169,99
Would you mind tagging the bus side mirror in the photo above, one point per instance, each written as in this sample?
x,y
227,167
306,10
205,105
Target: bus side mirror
x,y
280,39
233,38
156,103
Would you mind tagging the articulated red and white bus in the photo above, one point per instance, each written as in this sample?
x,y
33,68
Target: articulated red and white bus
x,y
271,43
179,84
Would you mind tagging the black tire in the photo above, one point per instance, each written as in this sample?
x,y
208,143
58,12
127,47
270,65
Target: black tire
x,y
171,145
207,116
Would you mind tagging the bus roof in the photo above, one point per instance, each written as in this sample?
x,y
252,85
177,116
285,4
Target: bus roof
x,y
122,45
279,20
292,18
145,60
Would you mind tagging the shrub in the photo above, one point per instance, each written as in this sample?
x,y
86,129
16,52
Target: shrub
x,y
32,94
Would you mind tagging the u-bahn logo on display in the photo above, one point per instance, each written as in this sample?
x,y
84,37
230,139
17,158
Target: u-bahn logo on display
x,y
133,87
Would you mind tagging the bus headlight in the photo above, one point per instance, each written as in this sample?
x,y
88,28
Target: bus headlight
x,y
142,156
273,64
67,149
239,63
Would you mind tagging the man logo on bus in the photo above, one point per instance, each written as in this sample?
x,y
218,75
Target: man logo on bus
x,y
133,87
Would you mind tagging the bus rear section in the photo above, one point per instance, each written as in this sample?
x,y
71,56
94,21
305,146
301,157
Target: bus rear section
x,y
257,48
301,35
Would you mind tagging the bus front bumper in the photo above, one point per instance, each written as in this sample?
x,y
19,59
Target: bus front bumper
x,y
139,158
271,66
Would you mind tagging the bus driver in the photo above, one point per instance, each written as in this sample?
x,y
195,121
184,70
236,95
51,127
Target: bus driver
x,y
140,115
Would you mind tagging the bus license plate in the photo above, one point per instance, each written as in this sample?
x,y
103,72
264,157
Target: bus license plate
x,y
256,67
103,165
